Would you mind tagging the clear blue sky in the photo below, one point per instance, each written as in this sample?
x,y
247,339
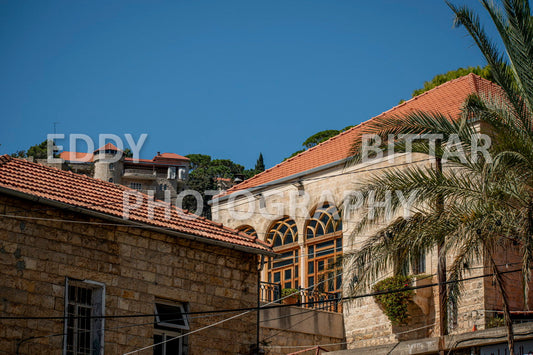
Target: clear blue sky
x,y
225,78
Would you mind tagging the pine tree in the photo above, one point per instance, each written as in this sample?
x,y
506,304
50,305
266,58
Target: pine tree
x,y
260,165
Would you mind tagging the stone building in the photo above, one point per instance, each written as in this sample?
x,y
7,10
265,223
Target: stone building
x,y
164,175
88,266
294,207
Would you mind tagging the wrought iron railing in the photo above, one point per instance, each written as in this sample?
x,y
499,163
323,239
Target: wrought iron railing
x,y
314,299
324,301
269,292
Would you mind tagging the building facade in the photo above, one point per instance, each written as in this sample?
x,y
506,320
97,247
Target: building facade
x,y
83,271
300,207
164,176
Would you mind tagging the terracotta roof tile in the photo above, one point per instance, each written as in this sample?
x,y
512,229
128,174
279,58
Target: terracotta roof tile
x,y
446,99
76,156
95,195
108,146
170,156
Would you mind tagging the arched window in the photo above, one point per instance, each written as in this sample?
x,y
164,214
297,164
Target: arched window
x,y
248,230
323,235
283,236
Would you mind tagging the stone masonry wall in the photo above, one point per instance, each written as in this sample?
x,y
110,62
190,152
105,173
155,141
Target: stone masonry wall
x,y
365,323
137,266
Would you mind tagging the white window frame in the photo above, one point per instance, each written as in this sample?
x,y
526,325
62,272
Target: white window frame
x,y
172,325
97,309
170,330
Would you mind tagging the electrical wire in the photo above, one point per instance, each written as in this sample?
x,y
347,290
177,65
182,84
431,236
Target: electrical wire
x,y
349,342
249,310
269,305
220,322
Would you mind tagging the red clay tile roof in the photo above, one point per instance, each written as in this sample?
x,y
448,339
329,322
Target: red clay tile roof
x,y
50,184
170,156
76,156
446,99
108,146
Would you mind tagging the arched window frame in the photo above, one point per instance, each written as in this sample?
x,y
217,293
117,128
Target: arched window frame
x,y
246,229
323,247
283,237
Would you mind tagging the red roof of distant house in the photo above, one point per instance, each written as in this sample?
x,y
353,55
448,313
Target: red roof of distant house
x,y
80,157
446,99
170,156
76,156
108,146
54,185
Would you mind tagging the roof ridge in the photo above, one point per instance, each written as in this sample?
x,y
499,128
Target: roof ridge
x,y
470,82
296,156
66,172
92,195
425,93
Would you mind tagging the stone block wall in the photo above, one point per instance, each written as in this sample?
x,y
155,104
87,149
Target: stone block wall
x,y
137,267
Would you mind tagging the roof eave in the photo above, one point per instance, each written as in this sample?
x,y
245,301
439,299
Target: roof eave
x,y
104,216
282,180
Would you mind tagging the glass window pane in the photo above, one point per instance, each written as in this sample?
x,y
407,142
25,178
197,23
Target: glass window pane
x,y
311,267
319,231
277,241
173,346
158,349
288,239
288,274
277,277
339,282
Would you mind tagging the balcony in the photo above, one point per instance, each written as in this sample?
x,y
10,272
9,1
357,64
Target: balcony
x,y
140,174
311,299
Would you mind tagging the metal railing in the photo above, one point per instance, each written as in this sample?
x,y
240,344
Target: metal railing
x,y
324,301
313,299
269,291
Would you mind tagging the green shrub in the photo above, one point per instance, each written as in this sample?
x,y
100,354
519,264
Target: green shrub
x,y
290,291
394,304
495,322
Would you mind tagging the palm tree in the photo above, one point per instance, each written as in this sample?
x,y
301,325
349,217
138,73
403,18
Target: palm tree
x,y
473,207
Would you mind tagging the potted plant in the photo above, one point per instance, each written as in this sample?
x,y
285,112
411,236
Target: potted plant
x,y
290,296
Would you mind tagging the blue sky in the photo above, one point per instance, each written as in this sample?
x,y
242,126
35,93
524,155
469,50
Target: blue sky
x,y
229,78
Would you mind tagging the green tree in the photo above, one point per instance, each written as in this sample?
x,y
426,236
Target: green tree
x,y
260,164
128,153
476,208
38,151
202,178
318,138
453,74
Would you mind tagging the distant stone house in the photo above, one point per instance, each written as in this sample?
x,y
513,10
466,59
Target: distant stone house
x,y
88,266
295,207
165,175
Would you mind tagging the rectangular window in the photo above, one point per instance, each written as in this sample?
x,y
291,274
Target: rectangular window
x,y
171,325
136,185
84,335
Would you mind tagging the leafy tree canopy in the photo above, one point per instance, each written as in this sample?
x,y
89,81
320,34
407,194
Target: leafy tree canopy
x,y
203,174
452,74
318,138
38,151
